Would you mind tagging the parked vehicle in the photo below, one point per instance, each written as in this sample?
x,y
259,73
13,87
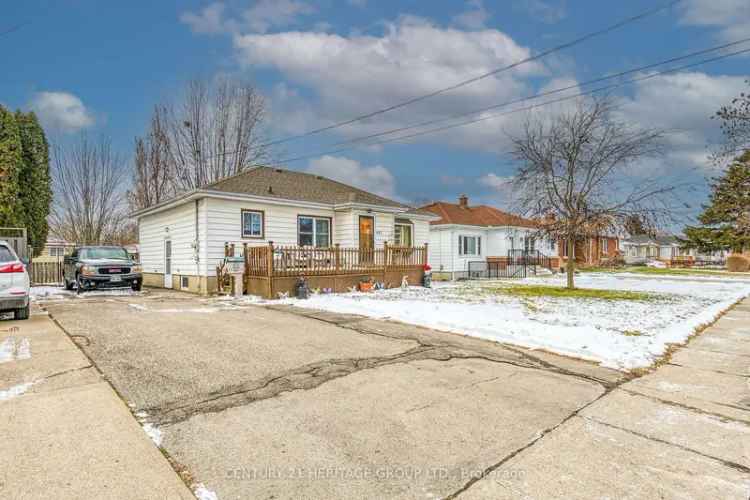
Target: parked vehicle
x,y
95,267
14,283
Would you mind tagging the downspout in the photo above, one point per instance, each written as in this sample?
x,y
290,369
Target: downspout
x,y
197,256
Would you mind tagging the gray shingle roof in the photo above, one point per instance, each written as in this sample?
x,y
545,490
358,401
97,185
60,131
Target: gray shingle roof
x,y
291,185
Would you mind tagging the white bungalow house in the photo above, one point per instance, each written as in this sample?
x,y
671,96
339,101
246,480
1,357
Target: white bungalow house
x,y
465,234
642,248
182,240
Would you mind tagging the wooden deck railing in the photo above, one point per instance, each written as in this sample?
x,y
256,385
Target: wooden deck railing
x,y
285,261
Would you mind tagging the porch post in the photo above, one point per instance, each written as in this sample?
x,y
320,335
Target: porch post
x,y
269,268
424,258
385,258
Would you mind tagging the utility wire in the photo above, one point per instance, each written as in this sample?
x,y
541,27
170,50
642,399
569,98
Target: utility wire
x,y
527,108
543,94
463,83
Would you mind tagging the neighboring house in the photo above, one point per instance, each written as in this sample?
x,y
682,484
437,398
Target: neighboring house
x,y
591,251
182,240
465,233
54,250
133,251
642,248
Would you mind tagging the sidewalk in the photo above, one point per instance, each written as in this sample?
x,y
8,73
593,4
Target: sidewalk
x,y
66,433
682,431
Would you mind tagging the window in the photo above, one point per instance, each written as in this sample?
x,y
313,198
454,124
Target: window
x,y
56,251
552,244
565,249
469,245
115,253
313,231
252,224
184,282
605,245
403,233
529,242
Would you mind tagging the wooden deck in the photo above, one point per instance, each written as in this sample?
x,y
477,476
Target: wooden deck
x,y
270,269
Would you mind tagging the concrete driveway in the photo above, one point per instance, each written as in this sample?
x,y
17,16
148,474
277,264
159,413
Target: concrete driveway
x,y
274,402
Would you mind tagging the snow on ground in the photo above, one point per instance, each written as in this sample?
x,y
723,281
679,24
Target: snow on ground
x,y
15,391
622,334
12,349
51,292
203,493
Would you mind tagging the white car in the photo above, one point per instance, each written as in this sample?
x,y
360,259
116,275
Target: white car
x,y
14,283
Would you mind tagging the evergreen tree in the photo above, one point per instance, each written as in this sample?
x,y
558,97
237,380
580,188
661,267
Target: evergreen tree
x,y
725,221
10,162
34,185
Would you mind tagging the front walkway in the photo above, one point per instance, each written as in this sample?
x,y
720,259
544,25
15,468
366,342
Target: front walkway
x,y
66,433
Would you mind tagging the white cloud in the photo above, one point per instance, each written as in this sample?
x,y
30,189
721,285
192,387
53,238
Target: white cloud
x,y
475,17
61,111
731,17
355,74
263,16
682,103
549,12
208,21
375,179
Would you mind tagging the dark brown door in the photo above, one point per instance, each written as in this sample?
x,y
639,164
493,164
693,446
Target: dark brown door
x,y
366,238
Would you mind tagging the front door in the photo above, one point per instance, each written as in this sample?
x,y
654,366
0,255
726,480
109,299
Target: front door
x,y
366,238
167,263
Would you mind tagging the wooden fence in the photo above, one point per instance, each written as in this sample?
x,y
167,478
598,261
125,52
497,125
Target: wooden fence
x,y
47,273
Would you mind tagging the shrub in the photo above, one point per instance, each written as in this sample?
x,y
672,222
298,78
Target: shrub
x,y
737,263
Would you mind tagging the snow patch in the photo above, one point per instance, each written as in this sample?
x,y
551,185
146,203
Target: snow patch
x,y
153,432
15,391
621,334
13,349
203,493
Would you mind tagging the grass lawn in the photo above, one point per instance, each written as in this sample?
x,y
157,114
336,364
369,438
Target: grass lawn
x,y
666,271
577,293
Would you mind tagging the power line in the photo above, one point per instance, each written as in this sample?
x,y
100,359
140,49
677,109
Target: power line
x,y
527,108
463,83
13,28
543,94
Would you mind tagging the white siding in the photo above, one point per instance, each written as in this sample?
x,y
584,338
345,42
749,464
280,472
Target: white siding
x,y
421,232
177,224
225,225
345,229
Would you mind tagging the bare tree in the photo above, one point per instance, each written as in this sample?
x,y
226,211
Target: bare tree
x,y
575,174
215,131
152,164
89,198
735,128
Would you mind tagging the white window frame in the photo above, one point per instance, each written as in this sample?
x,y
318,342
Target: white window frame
x,y
56,251
251,234
410,227
605,245
315,220
462,246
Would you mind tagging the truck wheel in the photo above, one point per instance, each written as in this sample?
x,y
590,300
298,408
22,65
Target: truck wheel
x,y
22,313
136,286
79,284
68,284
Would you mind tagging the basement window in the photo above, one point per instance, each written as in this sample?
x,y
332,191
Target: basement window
x,y
184,282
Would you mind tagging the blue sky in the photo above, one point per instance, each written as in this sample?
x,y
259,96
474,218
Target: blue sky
x,y
101,66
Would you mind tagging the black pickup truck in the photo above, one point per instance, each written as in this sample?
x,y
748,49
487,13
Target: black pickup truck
x,y
95,267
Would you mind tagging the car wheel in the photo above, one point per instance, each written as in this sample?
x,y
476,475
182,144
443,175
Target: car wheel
x,y
136,286
21,313
79,284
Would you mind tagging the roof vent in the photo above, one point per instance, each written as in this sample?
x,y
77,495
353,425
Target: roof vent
x,y
463,201
278,170
319,177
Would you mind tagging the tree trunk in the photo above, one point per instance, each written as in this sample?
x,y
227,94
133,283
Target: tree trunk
x,y
570,265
